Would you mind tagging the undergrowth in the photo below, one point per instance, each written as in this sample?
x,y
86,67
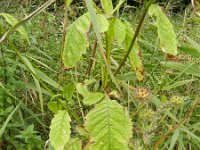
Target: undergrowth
x,y
92,76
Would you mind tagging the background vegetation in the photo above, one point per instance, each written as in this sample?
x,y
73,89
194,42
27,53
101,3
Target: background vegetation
x,y
64,84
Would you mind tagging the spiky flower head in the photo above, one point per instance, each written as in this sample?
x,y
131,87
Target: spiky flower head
x,y
177,100
142,94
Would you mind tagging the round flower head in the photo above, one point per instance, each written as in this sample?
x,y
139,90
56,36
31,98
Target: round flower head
x,y
142,94
177,100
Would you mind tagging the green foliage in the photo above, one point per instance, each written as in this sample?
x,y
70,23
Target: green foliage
x,y
184,68
60,130
107,6
102,23
29,135
7,120
75,47
73,144
117,30
166,33
68,92
135,56
89,97
109,126
95,106
12,21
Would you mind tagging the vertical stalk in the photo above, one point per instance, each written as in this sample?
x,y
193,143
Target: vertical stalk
x,y
134,36
108,53
94,50
65,19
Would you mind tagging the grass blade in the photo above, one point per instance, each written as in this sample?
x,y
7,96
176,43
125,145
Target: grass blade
x,y
8,119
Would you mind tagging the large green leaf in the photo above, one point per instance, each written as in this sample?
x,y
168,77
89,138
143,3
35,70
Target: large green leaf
x,y
73,144
60,130
12,21
102,23
117,30
76,41
135,56
109,126
107,6
166,32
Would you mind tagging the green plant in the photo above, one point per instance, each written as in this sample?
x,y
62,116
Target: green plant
x,y
110,87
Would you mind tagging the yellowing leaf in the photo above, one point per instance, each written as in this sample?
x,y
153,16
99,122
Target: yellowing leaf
x,y
135,56
136,62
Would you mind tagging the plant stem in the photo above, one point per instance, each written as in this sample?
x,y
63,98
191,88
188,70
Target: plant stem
x,y
94,50
134,36
108,52
63,43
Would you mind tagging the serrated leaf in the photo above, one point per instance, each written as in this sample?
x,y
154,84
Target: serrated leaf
x,y
107,6
60,130
109,126
93,98
135,56
73,144
90,98
102,23
82,89
76,41
166,32
12,21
